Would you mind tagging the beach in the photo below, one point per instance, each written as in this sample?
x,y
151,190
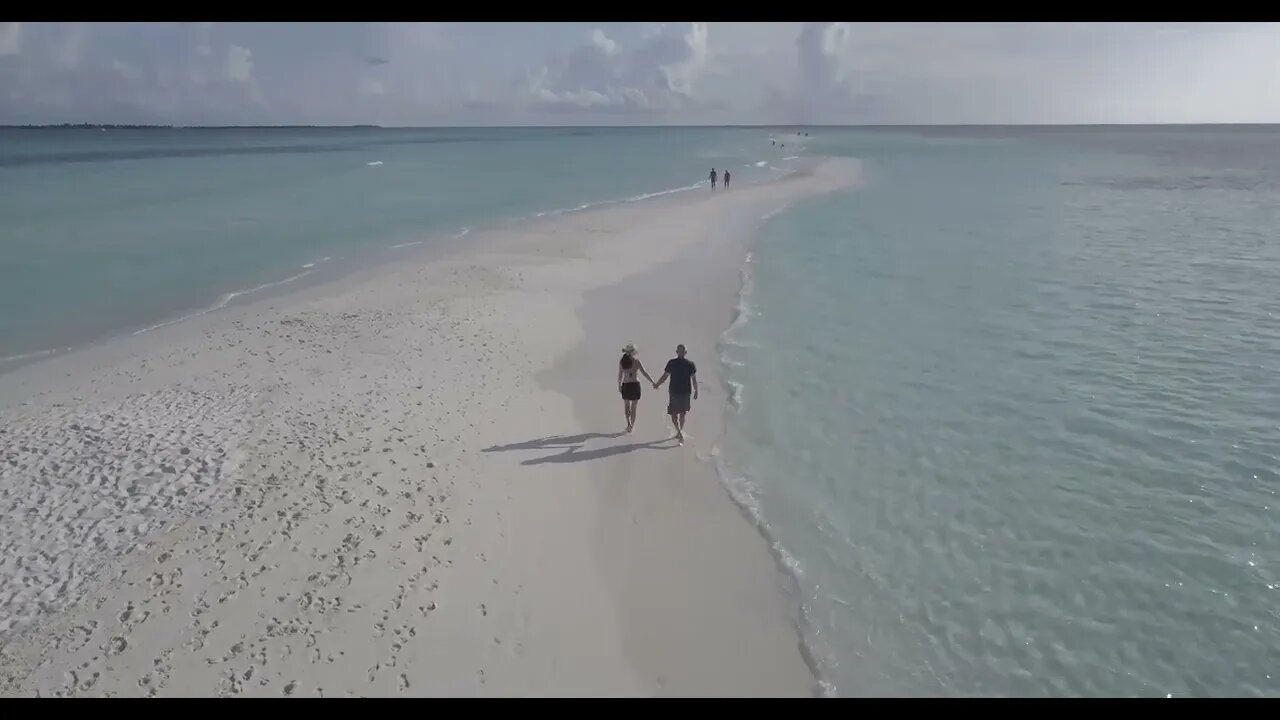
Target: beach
x,y
410,480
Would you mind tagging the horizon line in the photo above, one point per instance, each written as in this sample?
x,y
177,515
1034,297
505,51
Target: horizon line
x,y
369,126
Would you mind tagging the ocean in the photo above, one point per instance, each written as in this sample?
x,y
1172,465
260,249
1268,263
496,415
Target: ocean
x,y
1010,411
113,231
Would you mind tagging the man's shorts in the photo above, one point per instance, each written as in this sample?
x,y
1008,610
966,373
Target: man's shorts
x,y
677,404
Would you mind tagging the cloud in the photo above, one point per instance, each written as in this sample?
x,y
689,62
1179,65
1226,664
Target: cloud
x,y
992,73
10,38
603,43
239,64
653,75
611,100
605,73
821,48
126,70
686,58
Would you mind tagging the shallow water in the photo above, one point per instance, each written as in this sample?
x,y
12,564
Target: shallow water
x,y
1011,411
108,231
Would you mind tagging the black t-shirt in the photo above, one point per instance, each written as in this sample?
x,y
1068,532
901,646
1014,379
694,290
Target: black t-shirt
x,y
681,372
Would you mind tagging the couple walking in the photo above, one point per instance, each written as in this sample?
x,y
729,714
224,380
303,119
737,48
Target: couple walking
x,y
682,391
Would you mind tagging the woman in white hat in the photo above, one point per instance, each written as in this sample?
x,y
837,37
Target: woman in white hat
x,y
629,383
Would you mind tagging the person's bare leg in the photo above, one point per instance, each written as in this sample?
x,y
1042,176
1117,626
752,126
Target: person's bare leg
x,y
631,415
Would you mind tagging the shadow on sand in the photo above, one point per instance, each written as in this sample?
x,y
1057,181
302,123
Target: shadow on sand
x,y
572,447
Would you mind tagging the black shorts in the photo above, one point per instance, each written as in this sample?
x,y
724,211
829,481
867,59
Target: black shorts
x,y
677,403
631,390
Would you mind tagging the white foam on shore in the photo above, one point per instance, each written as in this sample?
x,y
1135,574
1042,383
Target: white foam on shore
x,y
685,188
791,157
745,492
228,297
741,314
630,199
32,355
772,213
561,211
412,243
222,302
735,394
746,495
375,163
742,309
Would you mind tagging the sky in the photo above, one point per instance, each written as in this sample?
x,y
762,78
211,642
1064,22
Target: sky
x,y
423,74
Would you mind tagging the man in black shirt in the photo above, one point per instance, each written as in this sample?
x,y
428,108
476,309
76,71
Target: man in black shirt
x,y
684,381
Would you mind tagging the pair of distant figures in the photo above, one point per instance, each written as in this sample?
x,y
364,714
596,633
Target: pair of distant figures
x,y
713,179
681,392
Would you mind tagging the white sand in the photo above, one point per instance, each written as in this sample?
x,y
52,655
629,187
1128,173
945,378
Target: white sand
x,y
403,482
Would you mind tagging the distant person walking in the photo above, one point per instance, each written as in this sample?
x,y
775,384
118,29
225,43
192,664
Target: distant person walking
x,y
726,179
684,384
713,178
629,384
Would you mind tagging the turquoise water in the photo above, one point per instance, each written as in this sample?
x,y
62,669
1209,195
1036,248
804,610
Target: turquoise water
x,y
118,230
1010,411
